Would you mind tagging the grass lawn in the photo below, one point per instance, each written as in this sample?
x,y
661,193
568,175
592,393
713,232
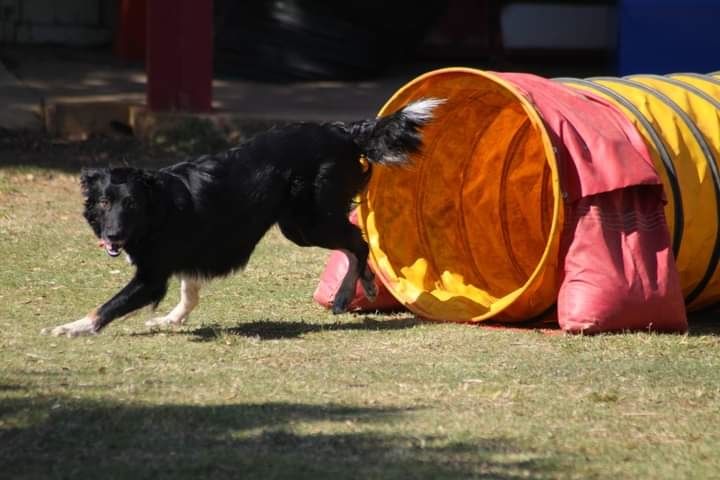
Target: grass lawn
x,y
262,383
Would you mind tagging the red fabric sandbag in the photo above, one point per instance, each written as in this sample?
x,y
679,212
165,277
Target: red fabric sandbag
x,y
619,271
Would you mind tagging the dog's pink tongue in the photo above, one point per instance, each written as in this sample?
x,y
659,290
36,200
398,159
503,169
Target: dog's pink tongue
x,y
109,248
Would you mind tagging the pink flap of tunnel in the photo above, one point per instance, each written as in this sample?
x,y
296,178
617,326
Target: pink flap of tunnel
x,y
598,148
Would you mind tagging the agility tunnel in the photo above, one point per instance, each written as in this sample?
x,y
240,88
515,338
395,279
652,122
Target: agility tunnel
x,y
600,196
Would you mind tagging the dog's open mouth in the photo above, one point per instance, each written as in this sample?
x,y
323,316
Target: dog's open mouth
x,y
112,248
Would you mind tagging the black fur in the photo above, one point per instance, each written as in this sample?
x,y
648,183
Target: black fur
x,y
203,218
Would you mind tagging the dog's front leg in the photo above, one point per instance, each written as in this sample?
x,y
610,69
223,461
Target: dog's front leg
x,y
139,293
189,298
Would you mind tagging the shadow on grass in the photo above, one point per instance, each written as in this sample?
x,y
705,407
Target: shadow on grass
x,y
86,439
276,330
4,387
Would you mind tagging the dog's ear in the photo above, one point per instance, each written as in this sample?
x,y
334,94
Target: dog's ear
x,y
151,184
89,177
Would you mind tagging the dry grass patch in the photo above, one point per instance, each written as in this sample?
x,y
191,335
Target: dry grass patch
x,y
262,383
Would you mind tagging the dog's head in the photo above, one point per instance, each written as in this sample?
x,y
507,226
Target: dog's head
x,y
118,205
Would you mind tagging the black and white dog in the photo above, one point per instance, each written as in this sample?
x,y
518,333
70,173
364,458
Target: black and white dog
x,y
202,219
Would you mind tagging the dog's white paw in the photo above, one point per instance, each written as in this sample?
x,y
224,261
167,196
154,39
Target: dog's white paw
x,y
84,326
166,321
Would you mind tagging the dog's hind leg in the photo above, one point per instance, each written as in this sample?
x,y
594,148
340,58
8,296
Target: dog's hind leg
x,y
337,233
346,291
189,298
367,282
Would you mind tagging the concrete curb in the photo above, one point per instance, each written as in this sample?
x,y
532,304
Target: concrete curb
x,y
80,120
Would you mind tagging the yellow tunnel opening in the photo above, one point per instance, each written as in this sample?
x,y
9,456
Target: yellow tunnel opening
x,y
470,231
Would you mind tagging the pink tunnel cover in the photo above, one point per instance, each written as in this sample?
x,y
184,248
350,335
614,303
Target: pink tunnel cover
x,y
618,268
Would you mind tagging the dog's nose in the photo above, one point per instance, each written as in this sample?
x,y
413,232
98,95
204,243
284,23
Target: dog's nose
x,y
113,237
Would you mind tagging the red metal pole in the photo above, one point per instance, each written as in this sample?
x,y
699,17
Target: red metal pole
x,y
129,42
179,61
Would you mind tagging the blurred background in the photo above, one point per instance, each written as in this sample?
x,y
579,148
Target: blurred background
x,y
282,40
283,60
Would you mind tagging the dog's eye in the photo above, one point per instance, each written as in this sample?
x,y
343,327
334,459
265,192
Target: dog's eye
x,y
103,203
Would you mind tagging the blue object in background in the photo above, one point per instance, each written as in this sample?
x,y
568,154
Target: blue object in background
x,y
665,36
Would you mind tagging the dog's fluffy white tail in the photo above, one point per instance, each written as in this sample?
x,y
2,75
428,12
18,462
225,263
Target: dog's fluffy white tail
x,y
422,110
390,140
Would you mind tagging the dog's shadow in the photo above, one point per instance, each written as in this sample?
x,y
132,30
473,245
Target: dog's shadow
x,y
278,330
270,329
